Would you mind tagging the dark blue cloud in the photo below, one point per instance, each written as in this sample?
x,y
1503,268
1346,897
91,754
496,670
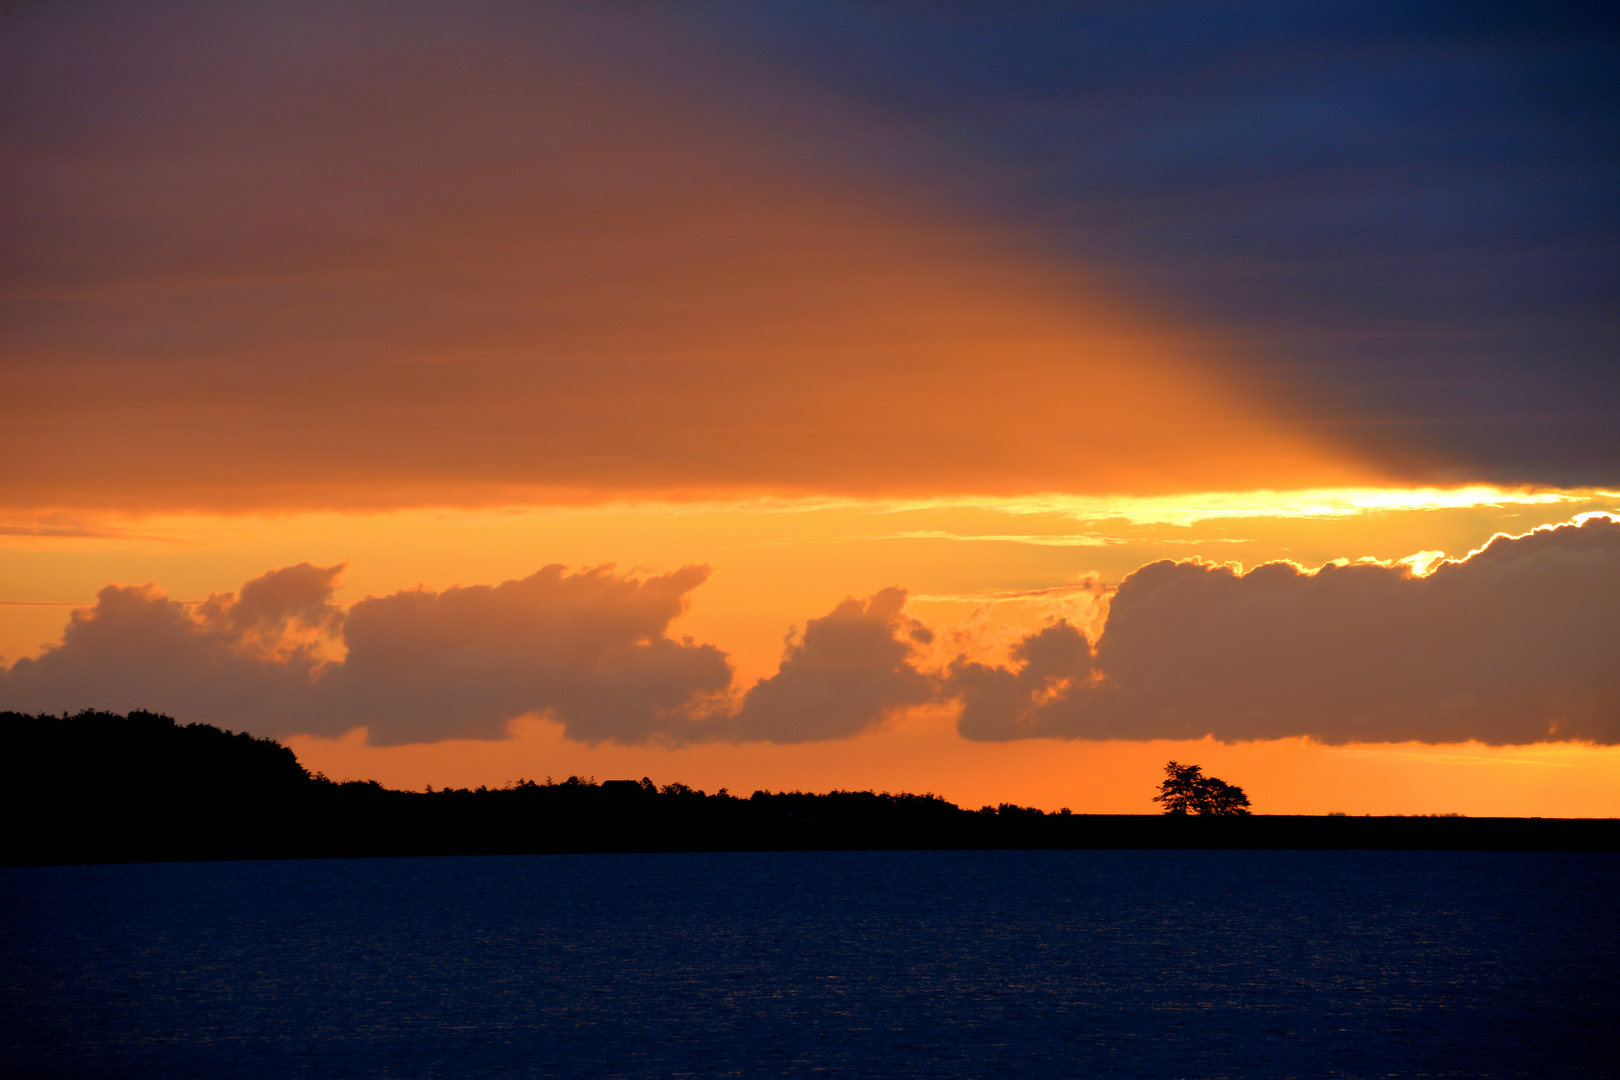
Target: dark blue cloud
x,y
1404,215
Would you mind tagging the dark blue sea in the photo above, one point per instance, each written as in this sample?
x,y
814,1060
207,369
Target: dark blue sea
x,y
881,964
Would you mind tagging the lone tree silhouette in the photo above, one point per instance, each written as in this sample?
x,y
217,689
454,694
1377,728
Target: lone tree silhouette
x,y
1186,790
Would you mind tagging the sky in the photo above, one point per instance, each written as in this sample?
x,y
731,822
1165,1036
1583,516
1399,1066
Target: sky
x,y
994,403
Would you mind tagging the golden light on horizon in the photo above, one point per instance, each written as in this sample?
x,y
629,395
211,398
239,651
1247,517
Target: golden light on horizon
x,y
778,563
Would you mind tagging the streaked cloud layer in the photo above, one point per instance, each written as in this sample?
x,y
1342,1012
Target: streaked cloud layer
x,y
523,257
296,256
1403,212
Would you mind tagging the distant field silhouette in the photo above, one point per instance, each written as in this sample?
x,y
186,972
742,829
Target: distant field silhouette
x,y
102,787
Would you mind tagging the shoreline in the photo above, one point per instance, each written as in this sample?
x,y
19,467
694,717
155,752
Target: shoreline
x,y
409,836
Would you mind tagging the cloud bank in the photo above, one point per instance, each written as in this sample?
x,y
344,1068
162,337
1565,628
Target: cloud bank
x,y
589,649
1516,643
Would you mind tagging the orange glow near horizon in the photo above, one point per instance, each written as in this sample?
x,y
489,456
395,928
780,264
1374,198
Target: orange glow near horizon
x,y
923,753
775,563
981,575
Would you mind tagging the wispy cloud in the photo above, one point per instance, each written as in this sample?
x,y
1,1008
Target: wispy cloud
x,y
44,603
1195,507
1095,588
77,531
1035,539
1188,508
1054,539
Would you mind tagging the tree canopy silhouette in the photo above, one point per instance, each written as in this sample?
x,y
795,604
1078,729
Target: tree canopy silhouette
x,y
100,787
1186,790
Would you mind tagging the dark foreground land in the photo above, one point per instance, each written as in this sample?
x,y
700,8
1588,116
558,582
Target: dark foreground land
x,y
99,787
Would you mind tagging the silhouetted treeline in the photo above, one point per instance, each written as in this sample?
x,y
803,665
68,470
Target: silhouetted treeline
x,y
99,787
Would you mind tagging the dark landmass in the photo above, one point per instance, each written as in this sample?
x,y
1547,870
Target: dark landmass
x,y
100,787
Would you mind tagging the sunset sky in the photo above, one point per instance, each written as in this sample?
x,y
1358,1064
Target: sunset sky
x,y
996,403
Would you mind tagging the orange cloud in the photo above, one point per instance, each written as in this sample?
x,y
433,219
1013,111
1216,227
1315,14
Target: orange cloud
x,y
848,671
136,648
589,650
1513,644
997,702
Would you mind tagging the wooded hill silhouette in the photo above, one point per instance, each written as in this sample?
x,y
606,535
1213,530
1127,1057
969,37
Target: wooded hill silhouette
x,y
100,787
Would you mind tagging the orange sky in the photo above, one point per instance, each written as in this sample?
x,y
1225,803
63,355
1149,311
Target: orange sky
x,y
599,310
1114,777
982,576
518,284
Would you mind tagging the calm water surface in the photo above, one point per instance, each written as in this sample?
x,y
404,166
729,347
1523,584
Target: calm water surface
x,y
1087,963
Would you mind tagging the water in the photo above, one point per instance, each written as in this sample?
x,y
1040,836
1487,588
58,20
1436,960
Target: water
x,y
999,963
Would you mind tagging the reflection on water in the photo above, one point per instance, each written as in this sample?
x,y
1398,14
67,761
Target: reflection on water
x,y
1058,963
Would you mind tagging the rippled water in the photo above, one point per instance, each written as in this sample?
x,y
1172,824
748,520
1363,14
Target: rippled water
x,y
1049,963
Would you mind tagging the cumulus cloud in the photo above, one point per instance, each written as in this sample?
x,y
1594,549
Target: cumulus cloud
x,y
137,649
589,649
1002,703
849,669
1514,644
276,604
